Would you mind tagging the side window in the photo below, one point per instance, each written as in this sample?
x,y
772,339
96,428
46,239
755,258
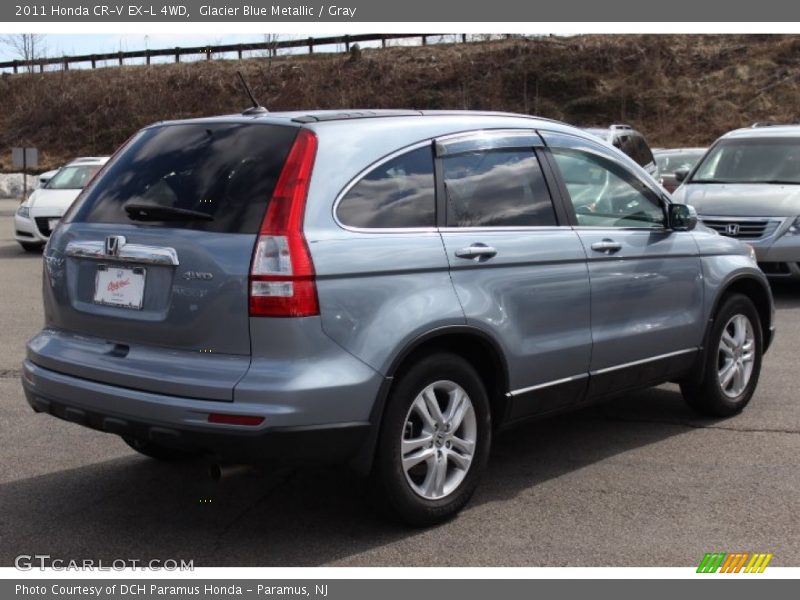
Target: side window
x,y
642,154
604,194
496,188
647,154
398,193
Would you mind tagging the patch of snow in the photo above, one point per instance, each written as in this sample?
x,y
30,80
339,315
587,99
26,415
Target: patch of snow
x,y
11,185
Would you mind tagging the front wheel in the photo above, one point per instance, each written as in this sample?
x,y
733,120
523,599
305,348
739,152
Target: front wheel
x,y
435,439
733,361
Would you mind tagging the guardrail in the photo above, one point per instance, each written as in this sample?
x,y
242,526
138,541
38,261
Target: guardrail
x,y
271,48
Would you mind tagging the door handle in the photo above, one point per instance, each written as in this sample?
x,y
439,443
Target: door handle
x,y
476,251
607,246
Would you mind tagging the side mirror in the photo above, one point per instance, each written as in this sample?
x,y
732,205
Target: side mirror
x,y
680,174
682,217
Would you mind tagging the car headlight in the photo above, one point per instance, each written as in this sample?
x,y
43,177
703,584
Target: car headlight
x,y
751,252
24,211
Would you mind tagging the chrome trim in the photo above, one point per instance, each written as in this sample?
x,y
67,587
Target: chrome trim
x,y
547,384
136,253
486,139
596,228
643,361
734,218
502,228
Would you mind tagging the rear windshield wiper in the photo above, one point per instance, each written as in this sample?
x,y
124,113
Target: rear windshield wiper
x,y
153,212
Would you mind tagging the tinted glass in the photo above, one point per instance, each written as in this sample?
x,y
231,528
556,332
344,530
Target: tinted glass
x,y
501,188
605,195
641,152
72,178
225,171
751,161
398,193
647,154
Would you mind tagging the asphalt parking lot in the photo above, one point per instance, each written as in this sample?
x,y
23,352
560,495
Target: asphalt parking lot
x,y
640,481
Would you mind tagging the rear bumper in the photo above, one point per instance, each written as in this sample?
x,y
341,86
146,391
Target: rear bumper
x,y
183,422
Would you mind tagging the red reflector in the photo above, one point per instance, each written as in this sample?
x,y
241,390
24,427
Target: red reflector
x,y
234,419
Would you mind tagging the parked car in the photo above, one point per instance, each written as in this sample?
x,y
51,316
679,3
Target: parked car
x,y
673,159
385,289
748,187
631,142
38,216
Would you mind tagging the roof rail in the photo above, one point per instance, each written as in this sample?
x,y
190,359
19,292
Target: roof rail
x,y
356,114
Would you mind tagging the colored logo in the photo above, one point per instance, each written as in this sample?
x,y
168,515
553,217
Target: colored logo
x,y
736,562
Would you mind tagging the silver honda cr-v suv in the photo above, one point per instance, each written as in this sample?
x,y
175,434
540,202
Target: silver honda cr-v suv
x,y
385,289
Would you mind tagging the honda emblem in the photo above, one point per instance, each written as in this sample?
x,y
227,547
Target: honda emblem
x,y
732,229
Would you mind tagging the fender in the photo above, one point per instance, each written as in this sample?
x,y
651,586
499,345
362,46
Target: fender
x,y
362,462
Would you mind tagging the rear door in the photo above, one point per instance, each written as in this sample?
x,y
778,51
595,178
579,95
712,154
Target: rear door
x,y
518,272
646,280
147,279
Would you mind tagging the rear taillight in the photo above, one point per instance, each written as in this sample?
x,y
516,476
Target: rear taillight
x,y
282,274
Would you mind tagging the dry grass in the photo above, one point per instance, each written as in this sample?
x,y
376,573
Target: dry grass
x,y
678,90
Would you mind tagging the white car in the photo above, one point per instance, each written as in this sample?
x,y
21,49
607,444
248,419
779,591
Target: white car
x,y
39,214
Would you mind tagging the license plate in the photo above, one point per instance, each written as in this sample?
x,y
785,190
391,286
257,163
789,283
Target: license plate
x,y
117,286
52,223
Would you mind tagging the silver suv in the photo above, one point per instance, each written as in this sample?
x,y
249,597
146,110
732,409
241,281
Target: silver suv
x,y
747,186
385,289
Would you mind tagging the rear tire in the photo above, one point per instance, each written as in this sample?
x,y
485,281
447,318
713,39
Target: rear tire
x,y
157,451
31,246
732,361
434,440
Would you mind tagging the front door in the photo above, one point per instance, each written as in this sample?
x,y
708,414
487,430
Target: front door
x,y
646,280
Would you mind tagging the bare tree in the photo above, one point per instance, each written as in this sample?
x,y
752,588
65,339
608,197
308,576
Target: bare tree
x,y
27,46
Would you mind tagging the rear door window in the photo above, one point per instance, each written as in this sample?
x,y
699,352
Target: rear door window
x,y
497,188
208,176
399,193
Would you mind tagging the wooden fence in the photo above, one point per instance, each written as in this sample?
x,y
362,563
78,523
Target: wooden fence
x,y
271,48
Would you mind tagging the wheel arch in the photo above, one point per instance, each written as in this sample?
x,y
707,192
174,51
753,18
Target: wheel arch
x,y
758,292
476,346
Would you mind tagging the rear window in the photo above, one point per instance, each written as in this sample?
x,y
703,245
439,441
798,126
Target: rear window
x,y
400,193
208,176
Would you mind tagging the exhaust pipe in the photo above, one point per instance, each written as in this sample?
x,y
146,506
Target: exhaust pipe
x,y
219,472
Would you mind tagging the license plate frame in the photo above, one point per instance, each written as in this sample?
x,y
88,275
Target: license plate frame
x,y
120,286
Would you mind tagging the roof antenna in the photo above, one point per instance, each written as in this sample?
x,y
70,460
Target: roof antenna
x,y
256,109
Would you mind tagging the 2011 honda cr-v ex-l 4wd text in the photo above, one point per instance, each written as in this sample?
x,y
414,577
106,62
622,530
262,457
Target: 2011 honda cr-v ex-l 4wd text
x,y
381,288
